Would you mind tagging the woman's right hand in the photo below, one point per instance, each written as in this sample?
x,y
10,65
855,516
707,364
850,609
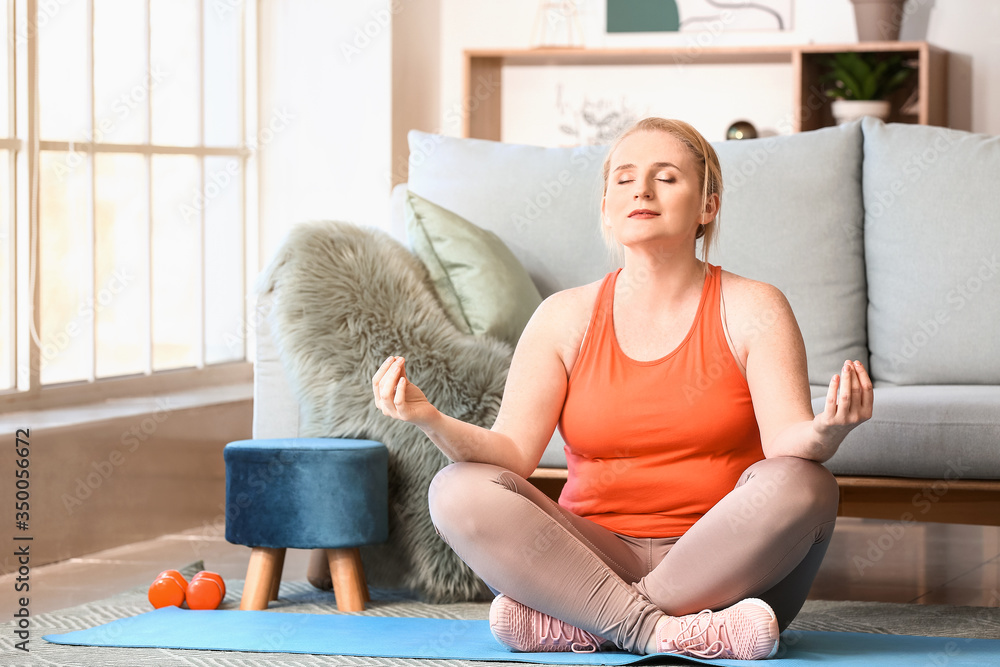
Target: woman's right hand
x,y
399,398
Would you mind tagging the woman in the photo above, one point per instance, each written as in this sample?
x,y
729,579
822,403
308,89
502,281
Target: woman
x,y
696,511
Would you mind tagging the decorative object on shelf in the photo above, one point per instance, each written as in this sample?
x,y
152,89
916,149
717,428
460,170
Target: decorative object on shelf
x,y
557,23
845,111
708,16
595,122
861,82
741,129
878,19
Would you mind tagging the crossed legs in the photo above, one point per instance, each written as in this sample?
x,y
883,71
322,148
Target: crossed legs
x,y
765,539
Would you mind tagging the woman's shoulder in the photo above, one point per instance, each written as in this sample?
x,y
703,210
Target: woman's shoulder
x,y
563,318
751,306
747,292
573,298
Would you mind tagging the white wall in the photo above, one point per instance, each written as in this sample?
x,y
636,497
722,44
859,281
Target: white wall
x,y
326,90
970,29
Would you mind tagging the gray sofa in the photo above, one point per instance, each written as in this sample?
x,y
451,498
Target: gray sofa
x,y
884,238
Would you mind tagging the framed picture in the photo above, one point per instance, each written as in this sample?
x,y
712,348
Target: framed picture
x,y
695,15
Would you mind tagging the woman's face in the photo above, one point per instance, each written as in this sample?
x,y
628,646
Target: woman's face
x,y
654,171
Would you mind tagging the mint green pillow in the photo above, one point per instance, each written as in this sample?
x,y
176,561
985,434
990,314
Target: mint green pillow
x,y
483,287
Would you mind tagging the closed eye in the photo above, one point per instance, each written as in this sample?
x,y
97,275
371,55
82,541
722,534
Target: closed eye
x,y
664,180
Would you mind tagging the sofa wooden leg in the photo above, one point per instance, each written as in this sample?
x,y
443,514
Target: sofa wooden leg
x,y
260,577
348,579
279,566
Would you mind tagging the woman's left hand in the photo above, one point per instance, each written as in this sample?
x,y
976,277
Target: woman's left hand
x,y
848,402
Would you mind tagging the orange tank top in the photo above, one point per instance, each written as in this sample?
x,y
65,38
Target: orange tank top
x,y
653,445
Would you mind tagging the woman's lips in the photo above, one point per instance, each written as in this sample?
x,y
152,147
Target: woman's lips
x,y
644,215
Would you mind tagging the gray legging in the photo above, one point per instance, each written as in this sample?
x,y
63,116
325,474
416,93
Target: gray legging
x,y
765,539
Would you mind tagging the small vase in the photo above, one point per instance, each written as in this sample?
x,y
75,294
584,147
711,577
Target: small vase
x,y
844,111
878,20
556,25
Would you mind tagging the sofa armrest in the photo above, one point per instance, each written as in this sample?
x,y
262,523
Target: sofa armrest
x,y
275,409
397,213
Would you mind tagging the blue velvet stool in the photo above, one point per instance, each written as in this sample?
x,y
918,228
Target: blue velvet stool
x,y
306,493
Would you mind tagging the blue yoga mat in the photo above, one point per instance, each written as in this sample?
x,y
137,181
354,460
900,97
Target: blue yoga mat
x,y
394,637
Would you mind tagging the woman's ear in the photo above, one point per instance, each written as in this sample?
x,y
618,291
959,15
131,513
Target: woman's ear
x,y
712,205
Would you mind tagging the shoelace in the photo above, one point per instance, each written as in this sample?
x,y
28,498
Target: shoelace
x,y
581,641
697,645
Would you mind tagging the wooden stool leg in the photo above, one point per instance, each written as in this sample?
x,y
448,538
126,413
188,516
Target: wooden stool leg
x,y
276,577
260,575
318,572
364,580
348,580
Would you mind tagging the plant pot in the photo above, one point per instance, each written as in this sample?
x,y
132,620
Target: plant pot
x,y
878,20
844,111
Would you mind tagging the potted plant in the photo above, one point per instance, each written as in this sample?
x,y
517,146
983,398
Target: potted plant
x,y
861,82
878,19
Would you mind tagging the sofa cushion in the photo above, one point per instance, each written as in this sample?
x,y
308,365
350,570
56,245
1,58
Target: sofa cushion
x,y
791,216
932,245
482,286
929,431
544,203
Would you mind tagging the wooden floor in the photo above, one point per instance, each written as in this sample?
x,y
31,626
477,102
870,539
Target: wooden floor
x,y
929,563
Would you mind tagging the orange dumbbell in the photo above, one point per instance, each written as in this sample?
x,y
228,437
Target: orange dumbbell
x,y
206,590
169,588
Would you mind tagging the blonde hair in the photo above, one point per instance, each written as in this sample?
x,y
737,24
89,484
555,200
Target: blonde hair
x,y
704,155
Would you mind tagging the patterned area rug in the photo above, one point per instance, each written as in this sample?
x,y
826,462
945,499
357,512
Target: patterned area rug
x,y
301,597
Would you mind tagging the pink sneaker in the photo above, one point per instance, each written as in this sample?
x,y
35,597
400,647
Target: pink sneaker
x,y
521,628
748,630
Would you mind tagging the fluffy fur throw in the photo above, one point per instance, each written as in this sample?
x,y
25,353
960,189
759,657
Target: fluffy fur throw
x,y
345,298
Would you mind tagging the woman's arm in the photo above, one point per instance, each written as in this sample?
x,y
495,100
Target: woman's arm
x,y
532,401
399,398
848,404
779,385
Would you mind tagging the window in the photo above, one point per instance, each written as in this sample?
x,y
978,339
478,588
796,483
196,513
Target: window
x,y
8,149
124,202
